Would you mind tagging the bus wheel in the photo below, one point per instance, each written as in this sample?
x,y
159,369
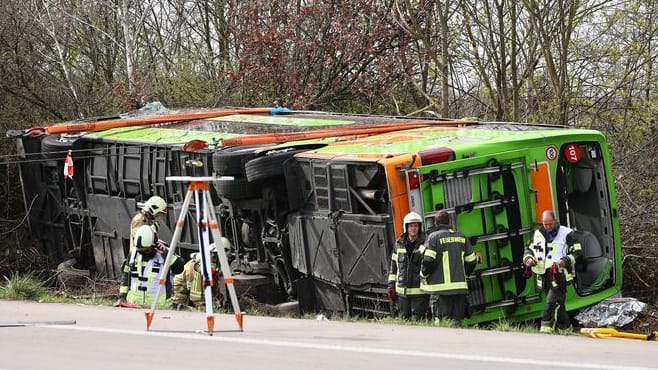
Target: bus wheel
x,y
268,165
55,147
230,161
237,188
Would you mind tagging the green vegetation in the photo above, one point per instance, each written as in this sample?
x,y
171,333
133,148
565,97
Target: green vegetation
x,y
29,286
506,325
23,286
92,299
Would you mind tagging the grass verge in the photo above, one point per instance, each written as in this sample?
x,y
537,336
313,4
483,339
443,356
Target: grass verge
x,y
23,286
28,286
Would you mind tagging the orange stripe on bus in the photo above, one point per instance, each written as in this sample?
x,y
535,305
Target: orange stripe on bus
x,y
397,186
145,121
541,182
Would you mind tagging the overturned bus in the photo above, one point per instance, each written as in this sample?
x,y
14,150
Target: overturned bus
x,y
313,201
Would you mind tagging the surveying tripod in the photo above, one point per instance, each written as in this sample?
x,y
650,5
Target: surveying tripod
x,y
206,222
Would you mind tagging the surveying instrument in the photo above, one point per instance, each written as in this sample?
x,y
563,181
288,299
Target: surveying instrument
x,y
207,223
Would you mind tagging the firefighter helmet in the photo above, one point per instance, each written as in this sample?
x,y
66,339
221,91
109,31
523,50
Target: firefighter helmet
x,y
227,244
155,205
145,237
412,218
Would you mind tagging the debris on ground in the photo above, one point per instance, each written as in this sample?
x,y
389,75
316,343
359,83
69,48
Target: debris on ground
x,y
614,333
646,321
612,312
634,319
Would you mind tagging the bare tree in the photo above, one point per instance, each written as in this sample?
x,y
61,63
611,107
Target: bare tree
x,y
500,51
554,22
427,56
315,53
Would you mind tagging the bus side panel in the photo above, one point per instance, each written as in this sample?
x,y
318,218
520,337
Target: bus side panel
x,y
110,236
313,242
487,198
365,248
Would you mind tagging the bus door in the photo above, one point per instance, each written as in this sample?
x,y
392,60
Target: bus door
x,y
488,200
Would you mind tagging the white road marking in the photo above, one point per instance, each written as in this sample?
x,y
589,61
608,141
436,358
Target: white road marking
x,y
354,349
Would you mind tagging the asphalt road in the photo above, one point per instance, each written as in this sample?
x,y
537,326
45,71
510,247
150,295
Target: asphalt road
x,y
116,338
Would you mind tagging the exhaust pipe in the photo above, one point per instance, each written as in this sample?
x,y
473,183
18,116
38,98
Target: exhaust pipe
x,y
371,194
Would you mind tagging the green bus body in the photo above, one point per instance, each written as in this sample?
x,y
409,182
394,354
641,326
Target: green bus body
x,y
317,218
581,193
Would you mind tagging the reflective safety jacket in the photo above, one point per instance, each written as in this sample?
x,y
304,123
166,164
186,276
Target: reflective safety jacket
x,y
448,260
548,249
188,285
140,278
405,265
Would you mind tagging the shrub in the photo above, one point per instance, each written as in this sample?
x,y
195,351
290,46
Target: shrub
x,y
23,286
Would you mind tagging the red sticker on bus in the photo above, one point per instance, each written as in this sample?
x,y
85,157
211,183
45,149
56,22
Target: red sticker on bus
x,y
551,153
572,153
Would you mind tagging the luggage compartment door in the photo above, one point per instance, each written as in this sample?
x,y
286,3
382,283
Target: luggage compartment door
x,y
487,198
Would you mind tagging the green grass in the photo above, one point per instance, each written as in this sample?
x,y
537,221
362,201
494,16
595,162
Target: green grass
x,y
28,286
514,326
23,287
91,299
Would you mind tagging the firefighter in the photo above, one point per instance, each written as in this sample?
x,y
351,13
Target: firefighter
x,y
404,274
151,209
552,255
189,285
141,270
447,262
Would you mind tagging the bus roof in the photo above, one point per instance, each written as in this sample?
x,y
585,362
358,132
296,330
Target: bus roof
x,y
482,139
236,125
455,136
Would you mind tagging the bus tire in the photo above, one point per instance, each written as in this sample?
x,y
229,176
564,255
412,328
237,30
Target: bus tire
x,y
238,188
231,161
268,165
52,147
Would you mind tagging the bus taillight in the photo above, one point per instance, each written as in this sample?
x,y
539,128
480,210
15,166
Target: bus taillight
x,y
436,155
414,180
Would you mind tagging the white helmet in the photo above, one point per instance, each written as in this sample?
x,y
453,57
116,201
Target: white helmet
x,y
155,205
145,237
412,218
212,248
196,257
227,244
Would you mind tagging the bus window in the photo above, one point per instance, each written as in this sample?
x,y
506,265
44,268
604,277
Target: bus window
x,y
584,205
